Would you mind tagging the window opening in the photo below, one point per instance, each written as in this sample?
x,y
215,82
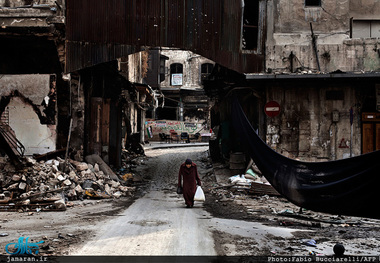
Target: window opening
x,y
312,3
365,29
176,72
206,70
250,24
176,68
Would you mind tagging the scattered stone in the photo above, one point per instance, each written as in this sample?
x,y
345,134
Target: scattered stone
x,y
16,177
117,194
26,202
96,168
13,186
61,178
78,189
43,181
82,166
22,186
67,182
60,205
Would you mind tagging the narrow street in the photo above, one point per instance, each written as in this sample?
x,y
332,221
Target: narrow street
x,y
159,224
154,220
277,102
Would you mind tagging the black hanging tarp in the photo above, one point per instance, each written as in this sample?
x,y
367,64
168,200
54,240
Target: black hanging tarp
x,y
342,187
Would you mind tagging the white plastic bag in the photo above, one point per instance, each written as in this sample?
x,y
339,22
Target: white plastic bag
x,y
199,195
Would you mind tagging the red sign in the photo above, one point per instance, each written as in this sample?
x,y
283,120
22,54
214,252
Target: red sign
x,y
272,109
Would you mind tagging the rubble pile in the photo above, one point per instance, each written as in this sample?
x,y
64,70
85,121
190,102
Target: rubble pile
x,y
54,182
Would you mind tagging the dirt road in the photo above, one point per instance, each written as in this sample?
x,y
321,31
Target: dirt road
x,y
159,223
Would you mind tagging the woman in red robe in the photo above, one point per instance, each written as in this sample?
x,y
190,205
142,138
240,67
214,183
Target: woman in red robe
x,y
188,177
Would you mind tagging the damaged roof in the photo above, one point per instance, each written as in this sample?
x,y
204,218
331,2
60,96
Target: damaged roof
x,y
100,31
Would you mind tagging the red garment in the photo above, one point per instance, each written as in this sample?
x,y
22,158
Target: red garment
x,y
189,178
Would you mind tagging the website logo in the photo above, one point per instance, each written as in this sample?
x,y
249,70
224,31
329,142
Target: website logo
x,y
23,247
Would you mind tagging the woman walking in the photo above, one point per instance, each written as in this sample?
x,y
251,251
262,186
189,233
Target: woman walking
x,y
188,177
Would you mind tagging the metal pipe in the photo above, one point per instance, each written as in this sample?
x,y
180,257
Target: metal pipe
x,y
314,41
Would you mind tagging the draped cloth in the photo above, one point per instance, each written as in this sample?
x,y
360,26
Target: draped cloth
x,y
342,187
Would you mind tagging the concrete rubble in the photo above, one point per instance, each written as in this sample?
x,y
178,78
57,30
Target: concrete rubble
x,y
52,184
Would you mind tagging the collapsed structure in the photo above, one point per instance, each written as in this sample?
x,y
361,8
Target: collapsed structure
x,y
305,72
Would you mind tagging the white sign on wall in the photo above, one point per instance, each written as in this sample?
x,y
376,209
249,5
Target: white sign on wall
x,y
177,79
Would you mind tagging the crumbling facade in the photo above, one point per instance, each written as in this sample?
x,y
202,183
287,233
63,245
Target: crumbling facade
x,y
45,109
321,70
181,76
31,66
171,90
318,60
329,49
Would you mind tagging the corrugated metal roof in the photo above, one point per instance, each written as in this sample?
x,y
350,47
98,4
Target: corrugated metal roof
x,y
99,31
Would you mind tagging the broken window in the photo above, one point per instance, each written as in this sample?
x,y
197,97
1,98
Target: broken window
x,y
250,25
176,73
365,29
206,70
311,3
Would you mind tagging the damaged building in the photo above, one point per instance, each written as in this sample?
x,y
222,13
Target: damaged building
x,y
317,96
181,76
175,98
306,72
31,66
46,109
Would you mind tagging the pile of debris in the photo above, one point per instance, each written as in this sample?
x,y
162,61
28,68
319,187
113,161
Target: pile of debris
x,y
249,181
49,185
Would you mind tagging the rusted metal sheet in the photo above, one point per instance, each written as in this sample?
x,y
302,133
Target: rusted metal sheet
x,y
99,31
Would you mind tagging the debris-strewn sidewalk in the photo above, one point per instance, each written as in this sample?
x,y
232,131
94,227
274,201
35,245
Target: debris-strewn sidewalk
x,y
50,185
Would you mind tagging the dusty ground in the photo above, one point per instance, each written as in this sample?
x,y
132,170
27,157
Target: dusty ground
x,y
59,230
360,236
65,231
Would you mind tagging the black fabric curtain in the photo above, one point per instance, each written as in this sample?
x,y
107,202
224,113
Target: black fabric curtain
x,y
343,187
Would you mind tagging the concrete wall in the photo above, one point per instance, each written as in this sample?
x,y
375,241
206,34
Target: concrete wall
x,y
191,69
36,138
305,128
289,32
26,94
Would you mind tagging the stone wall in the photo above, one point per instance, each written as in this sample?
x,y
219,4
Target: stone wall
x,y
290,37
305,128
191,68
